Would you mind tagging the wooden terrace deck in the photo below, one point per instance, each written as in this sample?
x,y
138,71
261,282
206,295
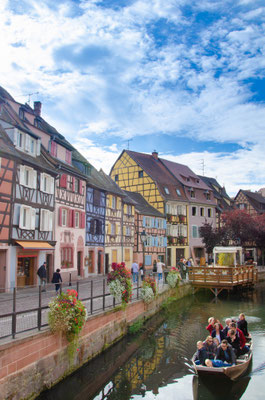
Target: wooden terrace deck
x,y
219,278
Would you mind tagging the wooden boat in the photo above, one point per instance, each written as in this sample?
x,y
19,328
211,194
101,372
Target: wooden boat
x,y
234,372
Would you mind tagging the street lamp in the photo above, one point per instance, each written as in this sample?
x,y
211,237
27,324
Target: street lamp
x,y
143,239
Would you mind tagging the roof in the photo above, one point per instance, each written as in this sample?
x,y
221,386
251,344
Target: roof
x,y
142,206
110,185
255,199
212,182
159,173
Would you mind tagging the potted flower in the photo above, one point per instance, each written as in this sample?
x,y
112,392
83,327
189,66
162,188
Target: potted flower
x,y
148,290
120,284
173,277
67,315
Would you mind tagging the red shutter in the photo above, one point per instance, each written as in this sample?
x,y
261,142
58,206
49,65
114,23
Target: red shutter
x,y
69,219
80,186
73,218
73,183
60,216
63,181
83,219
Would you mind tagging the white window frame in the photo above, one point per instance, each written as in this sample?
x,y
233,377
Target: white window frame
x,y
148,241
77,219
32,176
46,220
197,231
160,241
113,229
64,216
27,218
49,183
128,231
160,223
114,203
166,189
148,222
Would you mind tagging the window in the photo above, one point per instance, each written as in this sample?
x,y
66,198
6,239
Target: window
x,y
53,148
96,197
21,114
160,223
202,212
127,255
113,203
46,220
76,185
166,190
28,177
46,183
27,217
209,212
64,217
95,227
116,178
178,192
148,260
37,123
20,140
242,206
68,156
160,241
77,217
26,143
113,229
195,231
192,194
140,174
129,210
128,231
194,211
149,222
66,257
207,195
148,241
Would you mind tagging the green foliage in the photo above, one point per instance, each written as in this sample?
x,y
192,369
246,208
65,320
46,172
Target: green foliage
x,y
149,289
120,283
173,277
136,327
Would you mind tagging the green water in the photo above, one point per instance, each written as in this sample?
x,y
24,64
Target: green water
x,y
156,364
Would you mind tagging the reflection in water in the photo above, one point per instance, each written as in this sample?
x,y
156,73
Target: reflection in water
x,y
157,362
216,390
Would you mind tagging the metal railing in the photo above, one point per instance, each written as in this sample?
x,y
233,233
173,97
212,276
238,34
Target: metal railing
x,y
24,310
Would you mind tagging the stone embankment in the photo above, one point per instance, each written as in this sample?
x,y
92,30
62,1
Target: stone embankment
x,y
30,365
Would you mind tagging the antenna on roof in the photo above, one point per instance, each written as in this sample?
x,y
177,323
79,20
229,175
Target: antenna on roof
x,y
203,165
129,140
29,95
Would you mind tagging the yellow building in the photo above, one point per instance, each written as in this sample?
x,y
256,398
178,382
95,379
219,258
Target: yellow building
x,y
146,174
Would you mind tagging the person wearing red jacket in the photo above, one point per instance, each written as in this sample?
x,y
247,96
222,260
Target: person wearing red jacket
x,y
242,340
212,321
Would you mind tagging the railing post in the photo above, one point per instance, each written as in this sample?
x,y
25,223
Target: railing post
x,y
77,289
14,316
70,279
91,297
137,291
103,294
39,310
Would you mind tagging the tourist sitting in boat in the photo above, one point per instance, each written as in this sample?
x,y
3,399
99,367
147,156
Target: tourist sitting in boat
x,y
210,347
226,328
201,354
225,353
217,332
241,336
233,339
216,363
211,322
216,341
243,325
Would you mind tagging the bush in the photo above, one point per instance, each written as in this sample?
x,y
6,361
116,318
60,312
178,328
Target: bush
x,y
120,284
149,290
173,277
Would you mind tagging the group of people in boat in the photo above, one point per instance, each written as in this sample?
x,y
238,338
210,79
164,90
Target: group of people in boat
x,y
224,344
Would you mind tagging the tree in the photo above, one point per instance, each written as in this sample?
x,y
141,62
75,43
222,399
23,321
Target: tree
x,y
259,235
239,225
212,237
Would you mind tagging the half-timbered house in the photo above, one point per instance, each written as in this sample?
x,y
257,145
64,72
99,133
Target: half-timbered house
x,y
149,220
146,174
118,243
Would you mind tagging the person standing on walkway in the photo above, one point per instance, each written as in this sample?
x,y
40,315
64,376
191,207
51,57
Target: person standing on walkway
x,y
160,267
135,270
56,278
42,273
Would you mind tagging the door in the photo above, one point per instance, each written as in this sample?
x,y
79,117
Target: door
x,y
49,266
106,263
2,270
99,262
179,254
79,253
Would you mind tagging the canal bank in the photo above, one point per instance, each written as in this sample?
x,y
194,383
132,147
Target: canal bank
x,y
32,364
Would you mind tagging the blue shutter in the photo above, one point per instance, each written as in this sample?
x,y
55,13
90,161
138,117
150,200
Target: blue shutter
x,y
148,260
153,222
143,221
165,224
165,242
156,223
152,241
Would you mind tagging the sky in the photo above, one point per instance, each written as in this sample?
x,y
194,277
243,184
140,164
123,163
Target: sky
x,y
183,77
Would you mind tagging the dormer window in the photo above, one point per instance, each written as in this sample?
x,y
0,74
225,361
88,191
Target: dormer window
x,y
21,114
178,192
53,148
140,174
207,195
166,190
198,180
37,123
192,192
68,156
116,178
188,179
26,143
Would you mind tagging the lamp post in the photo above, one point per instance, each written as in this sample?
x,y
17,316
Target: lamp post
x,y
143,239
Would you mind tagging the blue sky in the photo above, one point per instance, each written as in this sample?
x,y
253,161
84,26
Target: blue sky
x,y
185,78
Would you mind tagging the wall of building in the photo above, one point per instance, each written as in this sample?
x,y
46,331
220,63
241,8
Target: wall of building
x,y
32,364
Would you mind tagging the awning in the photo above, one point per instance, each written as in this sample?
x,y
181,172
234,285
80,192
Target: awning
x,y
35,245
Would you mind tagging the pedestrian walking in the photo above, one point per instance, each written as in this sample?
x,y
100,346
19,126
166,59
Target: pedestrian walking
x,y
141,272
160,267
56,278
42,273
135,270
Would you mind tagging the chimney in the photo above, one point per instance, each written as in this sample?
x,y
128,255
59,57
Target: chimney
x,y
155,154
37,108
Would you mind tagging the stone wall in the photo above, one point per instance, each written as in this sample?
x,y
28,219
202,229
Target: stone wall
x,y
32,364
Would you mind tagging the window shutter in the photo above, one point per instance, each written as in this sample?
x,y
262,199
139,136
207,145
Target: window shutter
x,y
27,143
165,241
50,214
152,222
124,230
125,208
32,218
164,224
116,229
41,182
83,220
70,218
63,180
110,201
109,228
80,186
118,203
60,216
184,229
21,217
143,221
38,147
15,136
22,175
33,179
73,184
51,183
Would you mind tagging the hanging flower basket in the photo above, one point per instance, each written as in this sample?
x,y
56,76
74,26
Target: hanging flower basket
x,y
120,283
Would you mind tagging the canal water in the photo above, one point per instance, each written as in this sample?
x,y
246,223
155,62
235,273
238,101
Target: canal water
x,y
155,364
